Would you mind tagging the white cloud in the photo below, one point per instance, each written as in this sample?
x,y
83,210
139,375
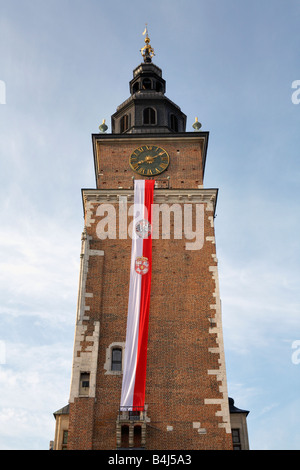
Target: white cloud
x,y
39,262
34,383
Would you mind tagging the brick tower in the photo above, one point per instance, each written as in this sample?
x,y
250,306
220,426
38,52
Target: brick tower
x,y
182,402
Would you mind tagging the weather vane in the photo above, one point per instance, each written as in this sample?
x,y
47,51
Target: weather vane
x,y
147,51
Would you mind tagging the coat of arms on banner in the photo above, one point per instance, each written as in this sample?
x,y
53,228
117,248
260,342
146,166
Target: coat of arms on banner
x,y
142,265
143,228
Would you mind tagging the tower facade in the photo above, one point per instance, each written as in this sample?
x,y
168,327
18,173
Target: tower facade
x,y
149,366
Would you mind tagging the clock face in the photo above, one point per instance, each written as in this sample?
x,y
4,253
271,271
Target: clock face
x,y
149,160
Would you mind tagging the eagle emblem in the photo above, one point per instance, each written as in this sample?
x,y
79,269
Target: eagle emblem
x,y
143,228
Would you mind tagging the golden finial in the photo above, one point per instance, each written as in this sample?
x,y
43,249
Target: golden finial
x,y
197,125
147,51
103,127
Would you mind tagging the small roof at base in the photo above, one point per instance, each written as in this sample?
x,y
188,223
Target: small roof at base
x,y
234,409
62,411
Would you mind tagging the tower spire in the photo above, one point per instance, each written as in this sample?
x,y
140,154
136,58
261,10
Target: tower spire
x,y
147,51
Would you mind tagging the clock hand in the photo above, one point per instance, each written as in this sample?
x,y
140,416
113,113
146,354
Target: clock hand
x,y
155,156
146,159
158,155
150,157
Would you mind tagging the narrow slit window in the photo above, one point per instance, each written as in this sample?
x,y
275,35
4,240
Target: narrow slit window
x,y
174,123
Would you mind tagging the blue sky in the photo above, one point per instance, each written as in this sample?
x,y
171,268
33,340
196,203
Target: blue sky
x,y
66,66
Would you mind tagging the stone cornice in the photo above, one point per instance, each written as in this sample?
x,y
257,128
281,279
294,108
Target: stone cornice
x,y
161,196
180,136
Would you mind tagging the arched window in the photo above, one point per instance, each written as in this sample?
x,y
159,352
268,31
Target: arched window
x,y
116,359
124,436
158,86
124,123
114,354
137,436
149,116
147,84
135,87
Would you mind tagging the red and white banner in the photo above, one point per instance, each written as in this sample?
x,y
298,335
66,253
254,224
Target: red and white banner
x,y
135,359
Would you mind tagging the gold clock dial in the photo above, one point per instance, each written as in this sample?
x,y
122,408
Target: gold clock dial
x,y
149,160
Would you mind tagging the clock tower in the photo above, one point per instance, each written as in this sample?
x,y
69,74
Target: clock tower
x,y
148,366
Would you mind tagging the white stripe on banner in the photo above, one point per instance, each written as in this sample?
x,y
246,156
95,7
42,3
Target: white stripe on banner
x,y
134,374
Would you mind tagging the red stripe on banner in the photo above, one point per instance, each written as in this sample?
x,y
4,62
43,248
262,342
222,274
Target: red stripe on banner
x,y
141,366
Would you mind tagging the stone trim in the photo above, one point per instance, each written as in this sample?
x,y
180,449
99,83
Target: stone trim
x,y
84,361
161,196
107,364
216,328
85,254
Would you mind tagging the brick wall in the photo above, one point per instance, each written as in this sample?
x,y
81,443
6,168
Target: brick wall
x,y
185,169
186,391
81,423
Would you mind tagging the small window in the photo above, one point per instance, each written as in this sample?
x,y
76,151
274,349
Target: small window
x,y
236,439
158,86
149,116
114,355
65,437
124,123
64,440
147,84
174,123
84,383
135,87
116,359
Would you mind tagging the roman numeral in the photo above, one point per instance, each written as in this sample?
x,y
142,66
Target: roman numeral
x,y
163,165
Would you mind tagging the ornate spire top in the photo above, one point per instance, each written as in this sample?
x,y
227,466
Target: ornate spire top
x,y
147,51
